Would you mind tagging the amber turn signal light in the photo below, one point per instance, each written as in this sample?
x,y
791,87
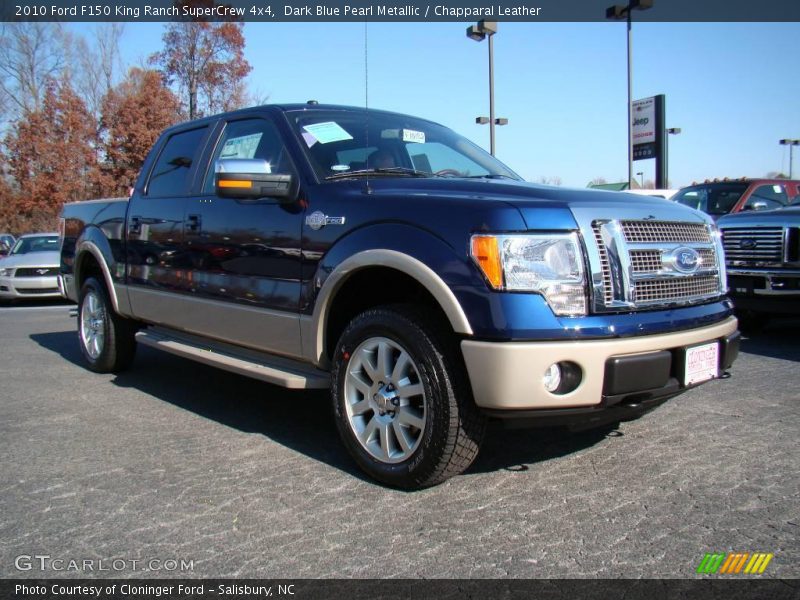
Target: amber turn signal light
x,y
229,183
486,253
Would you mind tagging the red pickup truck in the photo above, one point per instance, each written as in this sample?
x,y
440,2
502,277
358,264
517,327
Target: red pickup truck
x,y
725,196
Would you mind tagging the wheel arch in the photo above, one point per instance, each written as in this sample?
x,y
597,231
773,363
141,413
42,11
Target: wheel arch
x,y
339,286
91,259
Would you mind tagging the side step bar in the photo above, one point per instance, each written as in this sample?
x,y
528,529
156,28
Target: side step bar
x,y
272,369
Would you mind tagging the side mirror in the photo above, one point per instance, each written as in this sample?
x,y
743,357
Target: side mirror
x,y
758,206
4,249
252,178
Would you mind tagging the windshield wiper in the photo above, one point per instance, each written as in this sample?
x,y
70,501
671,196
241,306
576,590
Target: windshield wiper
x,y
492,176
380,171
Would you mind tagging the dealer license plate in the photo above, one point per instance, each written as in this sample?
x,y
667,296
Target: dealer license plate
x,y
702,363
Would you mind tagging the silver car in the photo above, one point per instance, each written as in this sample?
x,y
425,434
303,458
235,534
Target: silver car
x,y
31,268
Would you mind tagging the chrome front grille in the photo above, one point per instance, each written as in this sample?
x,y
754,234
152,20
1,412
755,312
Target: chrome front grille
x,y
605,267
660,232
647,264
762,245
649,261
659,290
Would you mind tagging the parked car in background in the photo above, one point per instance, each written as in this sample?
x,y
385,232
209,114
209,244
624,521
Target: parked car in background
x,y
6,243
31,268
762,254
723,196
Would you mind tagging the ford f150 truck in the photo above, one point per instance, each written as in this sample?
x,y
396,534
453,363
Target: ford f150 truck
x,y
393,261
763,263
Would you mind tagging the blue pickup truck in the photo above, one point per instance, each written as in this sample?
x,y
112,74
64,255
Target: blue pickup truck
x,y
762,249
394,262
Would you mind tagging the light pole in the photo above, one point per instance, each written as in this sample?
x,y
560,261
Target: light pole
x,y
487,29
670,131
791,144
620,11
641,179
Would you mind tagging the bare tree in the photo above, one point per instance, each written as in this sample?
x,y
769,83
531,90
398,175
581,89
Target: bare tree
x,y
30,55
98,65
598,181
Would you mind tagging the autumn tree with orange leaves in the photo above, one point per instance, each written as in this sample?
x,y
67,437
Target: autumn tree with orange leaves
x,y
50,156
206,61
134,114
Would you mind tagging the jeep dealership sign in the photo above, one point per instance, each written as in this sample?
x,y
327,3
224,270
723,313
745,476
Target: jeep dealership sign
x,y
644,128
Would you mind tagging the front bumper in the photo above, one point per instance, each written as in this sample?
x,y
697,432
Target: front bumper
x,y
776,292
16,288
508,376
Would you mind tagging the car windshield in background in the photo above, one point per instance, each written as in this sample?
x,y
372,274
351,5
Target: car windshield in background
x,y
713,199
39,243
342,144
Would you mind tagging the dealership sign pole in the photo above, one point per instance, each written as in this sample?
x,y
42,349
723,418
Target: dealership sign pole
x,y
649,136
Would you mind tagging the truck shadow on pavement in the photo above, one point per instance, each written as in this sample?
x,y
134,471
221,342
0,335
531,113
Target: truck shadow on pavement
x,y
300,420
778,339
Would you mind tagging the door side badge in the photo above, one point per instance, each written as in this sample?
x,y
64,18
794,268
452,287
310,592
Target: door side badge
x,y
318,220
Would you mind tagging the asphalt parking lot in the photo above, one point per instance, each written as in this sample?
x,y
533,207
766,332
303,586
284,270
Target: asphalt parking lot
x,y
176,461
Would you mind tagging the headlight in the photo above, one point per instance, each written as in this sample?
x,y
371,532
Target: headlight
x,y
548,264
7,272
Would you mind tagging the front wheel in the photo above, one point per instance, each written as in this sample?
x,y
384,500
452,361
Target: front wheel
x,y
106,339
402,402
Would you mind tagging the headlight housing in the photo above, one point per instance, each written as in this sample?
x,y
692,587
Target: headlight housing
x,y
7,272
550,264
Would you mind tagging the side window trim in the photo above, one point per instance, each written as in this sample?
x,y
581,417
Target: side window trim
x,y
192,170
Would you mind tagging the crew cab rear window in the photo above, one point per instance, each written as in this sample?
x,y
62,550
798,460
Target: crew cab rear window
x,y
170,175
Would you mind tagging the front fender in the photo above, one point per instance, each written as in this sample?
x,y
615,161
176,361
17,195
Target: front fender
x,y
417,253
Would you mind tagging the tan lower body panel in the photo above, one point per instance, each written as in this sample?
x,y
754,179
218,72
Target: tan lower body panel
x,y
508,375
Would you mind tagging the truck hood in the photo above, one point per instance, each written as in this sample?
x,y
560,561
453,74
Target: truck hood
x,y
532,199
32,259
762,218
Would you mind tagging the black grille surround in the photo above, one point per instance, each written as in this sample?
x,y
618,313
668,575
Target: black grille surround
x,y
36,272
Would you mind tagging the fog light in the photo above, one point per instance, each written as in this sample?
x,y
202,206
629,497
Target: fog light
x,y
552,377
562,378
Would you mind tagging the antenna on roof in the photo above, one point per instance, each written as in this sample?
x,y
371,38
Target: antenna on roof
x,y
367,189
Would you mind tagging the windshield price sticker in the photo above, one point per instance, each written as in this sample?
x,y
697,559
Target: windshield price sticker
x,y
702,363
416,137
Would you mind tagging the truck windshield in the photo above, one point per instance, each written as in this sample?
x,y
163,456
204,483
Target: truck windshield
x,y
712,198
343,144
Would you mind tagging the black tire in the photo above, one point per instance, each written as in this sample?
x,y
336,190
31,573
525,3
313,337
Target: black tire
x,y
452,426
106,339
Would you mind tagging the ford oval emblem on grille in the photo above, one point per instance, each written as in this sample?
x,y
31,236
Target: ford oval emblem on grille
x,y
748,244
684,260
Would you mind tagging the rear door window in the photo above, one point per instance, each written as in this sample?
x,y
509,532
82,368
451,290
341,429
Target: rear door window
x,y
171,175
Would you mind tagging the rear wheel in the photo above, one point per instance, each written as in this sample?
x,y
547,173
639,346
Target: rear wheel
x,y
106,339
402,402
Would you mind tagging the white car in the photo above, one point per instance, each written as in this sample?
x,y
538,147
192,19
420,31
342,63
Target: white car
x,y
31,268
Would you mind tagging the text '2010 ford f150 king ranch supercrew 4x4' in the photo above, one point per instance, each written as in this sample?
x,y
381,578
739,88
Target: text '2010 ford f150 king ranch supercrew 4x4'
x,y
397,263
